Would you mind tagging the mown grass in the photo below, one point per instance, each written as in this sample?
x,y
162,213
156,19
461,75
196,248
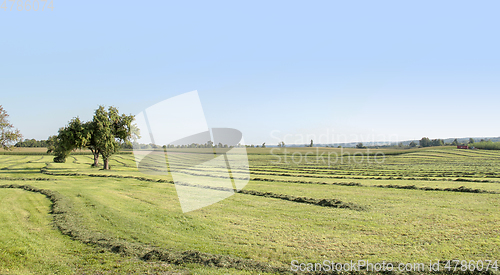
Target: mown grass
x,y
30,244
398,225
33,246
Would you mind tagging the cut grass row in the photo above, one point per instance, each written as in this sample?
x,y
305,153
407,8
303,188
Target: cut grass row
x,y
321,202
321,180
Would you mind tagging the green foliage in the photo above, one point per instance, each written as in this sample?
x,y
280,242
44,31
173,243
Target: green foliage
x,y
109,129
8,135
58,146
413,144
104,135
32,143
70,137
426,142
360,146
437,142
487,145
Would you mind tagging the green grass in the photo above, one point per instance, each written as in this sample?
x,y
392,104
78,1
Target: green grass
x,y
397,225
30,244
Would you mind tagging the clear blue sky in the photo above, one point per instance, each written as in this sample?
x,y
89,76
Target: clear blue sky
x,y
358,69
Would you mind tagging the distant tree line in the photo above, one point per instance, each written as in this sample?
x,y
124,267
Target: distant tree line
x,y
263,145
426,142
208,144
32,143
487,145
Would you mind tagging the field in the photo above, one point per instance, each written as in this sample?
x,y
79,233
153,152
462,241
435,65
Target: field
x,y
410,206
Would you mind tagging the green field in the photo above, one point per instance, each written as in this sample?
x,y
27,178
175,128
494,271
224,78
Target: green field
x,y
415,205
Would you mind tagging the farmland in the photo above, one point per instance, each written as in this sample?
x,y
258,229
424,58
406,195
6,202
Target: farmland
x,y
415,205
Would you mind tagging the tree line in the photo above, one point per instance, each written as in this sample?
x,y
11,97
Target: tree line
x,y
427,142
208,144
487,145
32,143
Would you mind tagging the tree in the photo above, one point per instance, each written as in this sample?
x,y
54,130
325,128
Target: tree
x,y
413,144
360,146
437,142
455,142
89,129
109,130
263,145
8,136
425,142
471,140
70,137
104,135
58,146
311,145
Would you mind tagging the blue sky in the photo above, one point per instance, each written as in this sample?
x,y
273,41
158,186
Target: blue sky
x,y
353,70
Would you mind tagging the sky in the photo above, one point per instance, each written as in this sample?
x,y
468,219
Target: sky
x,y
332,71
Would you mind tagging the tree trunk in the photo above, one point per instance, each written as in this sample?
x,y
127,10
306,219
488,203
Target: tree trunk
x,y
106,164
95,152
96,159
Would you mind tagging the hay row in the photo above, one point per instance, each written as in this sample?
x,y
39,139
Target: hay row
x,y
462,189
321,202
27,179
373,178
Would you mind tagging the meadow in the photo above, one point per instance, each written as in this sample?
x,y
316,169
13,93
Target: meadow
x,y
398,206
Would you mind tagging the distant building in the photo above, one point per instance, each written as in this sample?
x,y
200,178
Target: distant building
x,y
462,147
